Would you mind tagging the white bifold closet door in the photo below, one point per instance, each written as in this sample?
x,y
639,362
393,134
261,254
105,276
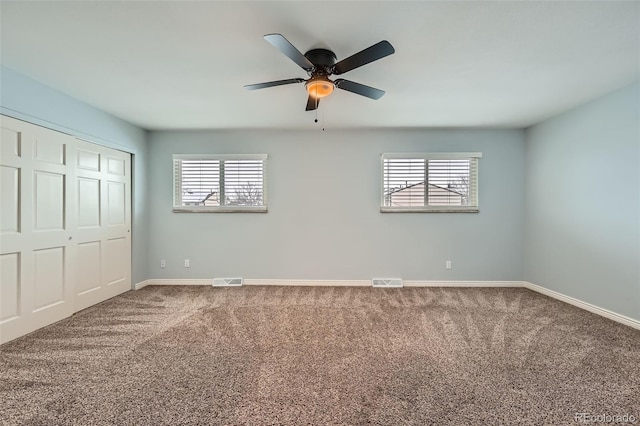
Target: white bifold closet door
x,y
103,223
65,216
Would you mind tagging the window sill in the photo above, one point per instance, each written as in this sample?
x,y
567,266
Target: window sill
x,y
235,209
428,210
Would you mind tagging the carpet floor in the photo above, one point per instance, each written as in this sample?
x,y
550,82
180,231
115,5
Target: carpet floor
x,y
322,356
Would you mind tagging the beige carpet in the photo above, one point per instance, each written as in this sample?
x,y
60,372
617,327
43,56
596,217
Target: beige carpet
x,y
321,356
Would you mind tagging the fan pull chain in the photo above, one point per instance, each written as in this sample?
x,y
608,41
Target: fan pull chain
x,y
316,100
323,111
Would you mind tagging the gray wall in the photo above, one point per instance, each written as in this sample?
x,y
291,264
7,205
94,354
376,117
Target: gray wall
x,y
575,228
324,220
582,216
26,99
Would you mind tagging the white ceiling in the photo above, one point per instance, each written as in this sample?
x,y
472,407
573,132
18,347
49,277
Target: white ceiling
x,y
182,65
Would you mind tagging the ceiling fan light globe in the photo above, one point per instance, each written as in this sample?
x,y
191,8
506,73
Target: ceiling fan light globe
x,y
319,87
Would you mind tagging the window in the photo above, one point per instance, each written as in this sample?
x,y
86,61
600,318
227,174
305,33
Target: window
x,y
439,182
219,183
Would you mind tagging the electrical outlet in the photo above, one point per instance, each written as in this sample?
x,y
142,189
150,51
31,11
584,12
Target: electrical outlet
x,y
186,263
447,264
163,263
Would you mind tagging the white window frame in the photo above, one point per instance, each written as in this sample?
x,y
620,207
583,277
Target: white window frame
x,y
431,156
177,184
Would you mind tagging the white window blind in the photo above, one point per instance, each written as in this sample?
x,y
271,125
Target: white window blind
x,y
213,183
438,182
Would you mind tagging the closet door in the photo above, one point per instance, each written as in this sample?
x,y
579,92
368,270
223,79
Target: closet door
x,y
37,258
65,222
103,187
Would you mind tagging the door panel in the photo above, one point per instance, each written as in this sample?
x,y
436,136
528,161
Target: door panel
x,y
48,189
89,268
115,263
45,150
10,147
116,166
49,272
88,202
9,211
10,286
117,203
88,160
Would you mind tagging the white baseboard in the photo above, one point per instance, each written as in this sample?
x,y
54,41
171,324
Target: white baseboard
x,y
584,305
143,284
333,283
408,283
318,283
416,283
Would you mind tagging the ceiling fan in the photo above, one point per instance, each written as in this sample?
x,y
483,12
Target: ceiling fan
x,y
320,64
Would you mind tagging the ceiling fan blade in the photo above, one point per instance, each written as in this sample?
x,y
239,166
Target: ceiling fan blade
x,y
282,44
312,103
273,83
359,89
370,54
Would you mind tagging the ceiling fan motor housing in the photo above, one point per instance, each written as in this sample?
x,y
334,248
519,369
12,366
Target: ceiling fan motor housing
x,y
323,59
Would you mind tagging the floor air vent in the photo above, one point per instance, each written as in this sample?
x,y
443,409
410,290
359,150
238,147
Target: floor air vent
x,y
226,282
387,282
